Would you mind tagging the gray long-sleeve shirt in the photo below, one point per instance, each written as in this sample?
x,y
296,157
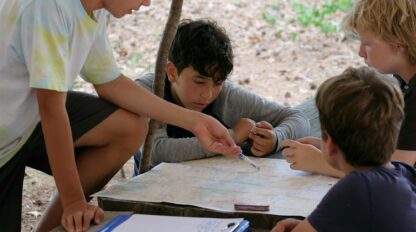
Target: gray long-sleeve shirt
x,y
230,106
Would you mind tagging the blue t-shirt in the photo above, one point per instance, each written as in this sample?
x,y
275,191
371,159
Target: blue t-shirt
x,y
379,199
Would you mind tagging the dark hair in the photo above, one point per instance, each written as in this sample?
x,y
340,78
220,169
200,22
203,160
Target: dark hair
x,y
362,111
204,46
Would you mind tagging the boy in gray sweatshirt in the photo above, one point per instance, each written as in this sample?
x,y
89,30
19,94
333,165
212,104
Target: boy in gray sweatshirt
x,y
199,62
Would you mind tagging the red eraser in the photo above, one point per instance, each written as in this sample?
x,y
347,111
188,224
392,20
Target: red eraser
x,y
249,207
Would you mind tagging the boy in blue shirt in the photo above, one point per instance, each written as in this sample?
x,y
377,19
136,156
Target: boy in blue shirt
x,y
44,45
361,112
386,29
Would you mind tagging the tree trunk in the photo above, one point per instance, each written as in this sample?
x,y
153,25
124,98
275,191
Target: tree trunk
x,y
160,73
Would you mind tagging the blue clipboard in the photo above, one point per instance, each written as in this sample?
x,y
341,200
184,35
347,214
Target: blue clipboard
x,y
244,226
113,223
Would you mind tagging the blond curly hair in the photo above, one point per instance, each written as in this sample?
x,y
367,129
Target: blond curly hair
x,y
393,21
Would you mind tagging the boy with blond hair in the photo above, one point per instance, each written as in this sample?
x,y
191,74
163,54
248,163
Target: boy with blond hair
x,y
386,29
375,194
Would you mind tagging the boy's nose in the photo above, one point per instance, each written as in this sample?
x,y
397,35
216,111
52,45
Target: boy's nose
x,y
207,94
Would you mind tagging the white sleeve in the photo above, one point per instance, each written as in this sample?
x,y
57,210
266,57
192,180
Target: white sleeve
x,y
45,47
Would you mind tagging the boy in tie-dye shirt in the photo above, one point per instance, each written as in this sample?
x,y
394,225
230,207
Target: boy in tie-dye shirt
x,y
44,45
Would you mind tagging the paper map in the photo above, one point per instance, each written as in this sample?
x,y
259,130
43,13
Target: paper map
x,y
217,183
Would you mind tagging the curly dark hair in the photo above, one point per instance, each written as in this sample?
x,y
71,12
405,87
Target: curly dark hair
x,y
204,46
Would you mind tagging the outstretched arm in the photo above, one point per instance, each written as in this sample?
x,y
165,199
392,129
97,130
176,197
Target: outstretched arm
x,y
134,98
293,225
184,148
408,157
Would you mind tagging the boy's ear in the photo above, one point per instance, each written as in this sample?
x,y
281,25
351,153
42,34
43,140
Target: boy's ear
x,y
171,72
335,157
331,146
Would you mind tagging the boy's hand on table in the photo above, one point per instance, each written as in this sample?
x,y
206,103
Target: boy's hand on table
x,y
78,215
264,139
242,129
307,157
304,157
314,141
214,136
286,225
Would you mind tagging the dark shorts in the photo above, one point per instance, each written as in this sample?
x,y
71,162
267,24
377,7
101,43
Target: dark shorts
x,y
85,111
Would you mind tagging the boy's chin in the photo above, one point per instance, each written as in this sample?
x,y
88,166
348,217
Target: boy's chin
x,y
197,108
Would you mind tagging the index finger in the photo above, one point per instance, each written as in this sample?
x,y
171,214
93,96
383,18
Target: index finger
x,y
87,220
78,221
68,223
289,144
228,140
261,132
98,215
264,125
224,150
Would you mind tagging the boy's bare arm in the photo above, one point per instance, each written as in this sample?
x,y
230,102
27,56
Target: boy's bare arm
x,y
185,148
408,157
60,149
134,98
291,224
304,226
130,96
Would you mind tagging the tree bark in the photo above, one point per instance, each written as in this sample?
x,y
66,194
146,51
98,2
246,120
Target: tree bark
x,y
160,73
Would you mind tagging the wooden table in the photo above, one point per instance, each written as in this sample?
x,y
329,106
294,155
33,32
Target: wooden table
x,y
258,222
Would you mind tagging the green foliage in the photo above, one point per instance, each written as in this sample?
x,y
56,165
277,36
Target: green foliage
x,y
293,35
269,19
270,16
278,33
319,16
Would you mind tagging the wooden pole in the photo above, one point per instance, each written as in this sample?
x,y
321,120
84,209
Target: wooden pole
x,y
160,73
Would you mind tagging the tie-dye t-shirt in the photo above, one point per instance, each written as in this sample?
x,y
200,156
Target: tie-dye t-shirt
x,y
45,44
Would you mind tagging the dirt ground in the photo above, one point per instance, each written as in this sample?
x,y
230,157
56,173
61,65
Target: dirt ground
x,y
283,62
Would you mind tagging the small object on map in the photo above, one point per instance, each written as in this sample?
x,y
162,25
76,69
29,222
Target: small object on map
x,y
249,207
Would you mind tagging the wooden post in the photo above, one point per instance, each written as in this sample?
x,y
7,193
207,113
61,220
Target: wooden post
x,y
160,73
